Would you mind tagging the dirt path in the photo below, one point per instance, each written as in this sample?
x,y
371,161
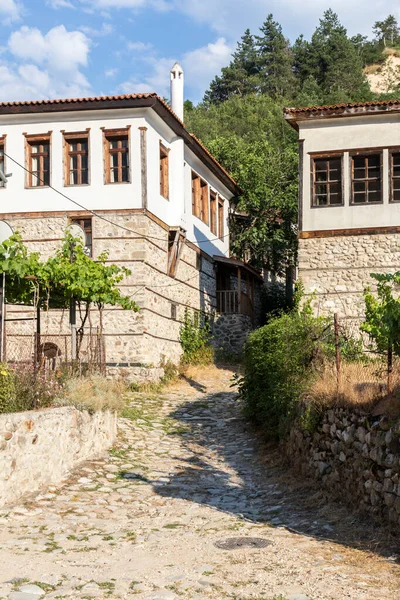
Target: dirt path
x,y
186,474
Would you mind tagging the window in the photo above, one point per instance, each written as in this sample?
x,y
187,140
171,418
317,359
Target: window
x,y
220,218
86,224
205,204
2,161
395,176
164,172
173,311
38,161
76,159
327,181
196,206
198,261
213,212
366,178
116,145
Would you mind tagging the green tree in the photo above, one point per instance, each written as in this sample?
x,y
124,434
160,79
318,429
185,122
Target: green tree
x,y
240,77
275,60
387,31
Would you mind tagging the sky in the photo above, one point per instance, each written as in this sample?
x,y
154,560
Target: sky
x,y
75,48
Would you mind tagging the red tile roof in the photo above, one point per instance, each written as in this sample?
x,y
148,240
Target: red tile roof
x,y
342,109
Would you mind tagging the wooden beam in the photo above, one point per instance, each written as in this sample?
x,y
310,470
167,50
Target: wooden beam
x,y
305,235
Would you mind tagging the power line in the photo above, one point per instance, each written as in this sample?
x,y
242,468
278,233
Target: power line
x,y
92,212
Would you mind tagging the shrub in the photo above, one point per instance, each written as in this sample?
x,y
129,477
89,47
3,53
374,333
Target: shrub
x,y
280,361
22,388
195,338
8,397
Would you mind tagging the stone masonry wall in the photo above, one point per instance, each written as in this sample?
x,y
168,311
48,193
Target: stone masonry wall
x,y
355,457
40,448
230,332
135,343
337,269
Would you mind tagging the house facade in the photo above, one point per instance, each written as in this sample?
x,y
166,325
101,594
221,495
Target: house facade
x,y
127,172
349,201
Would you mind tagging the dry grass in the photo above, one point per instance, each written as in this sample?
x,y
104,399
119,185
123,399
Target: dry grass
x,y
361,384
94,393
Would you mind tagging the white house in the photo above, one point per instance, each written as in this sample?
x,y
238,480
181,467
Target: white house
x,y
349,200
127,171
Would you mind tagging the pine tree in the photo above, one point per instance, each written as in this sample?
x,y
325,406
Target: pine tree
x,y
240,77
387,31
275,60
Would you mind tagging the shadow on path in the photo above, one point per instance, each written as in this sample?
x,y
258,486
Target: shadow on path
x,y
228,466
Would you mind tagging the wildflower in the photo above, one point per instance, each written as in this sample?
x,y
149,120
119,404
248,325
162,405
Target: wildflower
x,y
4,373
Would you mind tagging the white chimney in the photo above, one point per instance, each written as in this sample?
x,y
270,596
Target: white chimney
x,y
177,90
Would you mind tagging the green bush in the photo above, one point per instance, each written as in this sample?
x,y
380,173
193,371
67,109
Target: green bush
x,y
195,338
280,360
8,398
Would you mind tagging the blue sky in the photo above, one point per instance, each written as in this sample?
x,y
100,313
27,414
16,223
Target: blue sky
x,y
70,48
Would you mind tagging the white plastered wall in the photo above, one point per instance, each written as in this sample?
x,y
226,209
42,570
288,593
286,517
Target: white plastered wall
x,y
348,134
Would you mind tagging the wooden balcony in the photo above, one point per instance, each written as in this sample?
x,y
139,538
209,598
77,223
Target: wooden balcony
x,y
230,302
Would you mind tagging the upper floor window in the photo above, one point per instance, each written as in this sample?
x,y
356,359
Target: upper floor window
x,y
38,161
221,229
366,178
2,161
200,198
213,212
164,172
116,147
395,176
77,159
327,181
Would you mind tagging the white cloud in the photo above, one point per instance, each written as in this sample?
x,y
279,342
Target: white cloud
x,y
10,10
60,4
139,46
106,29
44,66
200,66
59,49
110,72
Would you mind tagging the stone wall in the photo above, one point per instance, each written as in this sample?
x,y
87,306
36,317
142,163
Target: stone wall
x,y
230,332
135,343
40,448
354,456
337,269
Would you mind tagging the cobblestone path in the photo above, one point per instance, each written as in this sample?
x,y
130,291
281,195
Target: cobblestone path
x,y
186,474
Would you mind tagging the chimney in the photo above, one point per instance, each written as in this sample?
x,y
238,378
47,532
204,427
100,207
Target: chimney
x,y
177,90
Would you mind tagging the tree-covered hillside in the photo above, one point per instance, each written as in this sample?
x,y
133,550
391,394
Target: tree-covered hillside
x,y
241,120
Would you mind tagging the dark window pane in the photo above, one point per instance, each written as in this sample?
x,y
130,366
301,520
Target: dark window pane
x,y
360,173
359,162
359,186
321,189
46,163
84,162
374,197
374,160
321,176
84,146
321,165
374,186
396,184
374,172
125,158
359,198
334,163
114,160
396,195
321,200
85,177
125,174
396,159
335,188
46,178
334,175
73,180
124,143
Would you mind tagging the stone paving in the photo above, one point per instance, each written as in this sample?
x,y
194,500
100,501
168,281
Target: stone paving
x,y
186,475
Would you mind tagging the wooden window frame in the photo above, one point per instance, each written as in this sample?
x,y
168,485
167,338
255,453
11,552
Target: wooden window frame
x,y
3,147
366,153
204,202
176,242
314,182
108,134
31,140
164,171
221,222
76,137
391,176
196,191
213,212
80,220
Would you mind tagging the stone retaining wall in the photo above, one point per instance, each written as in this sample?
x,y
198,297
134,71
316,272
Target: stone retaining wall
x,y
230,332
39,448
355,457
